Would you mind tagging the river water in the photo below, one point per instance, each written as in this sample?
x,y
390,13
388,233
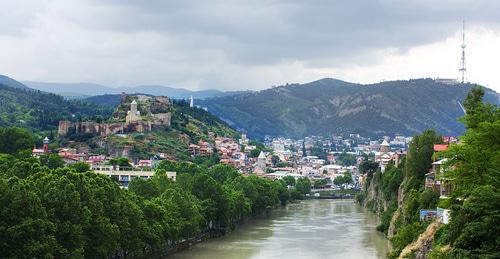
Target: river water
x,y
308,229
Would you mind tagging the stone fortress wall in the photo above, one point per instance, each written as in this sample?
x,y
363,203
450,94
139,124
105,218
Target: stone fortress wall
x,y
143,113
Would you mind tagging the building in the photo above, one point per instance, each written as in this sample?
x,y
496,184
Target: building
x,y
436,179
133,115
141,116
261,160
37,152
125,176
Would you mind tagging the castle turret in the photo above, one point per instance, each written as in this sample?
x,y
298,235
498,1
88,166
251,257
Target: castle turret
x,y
133,115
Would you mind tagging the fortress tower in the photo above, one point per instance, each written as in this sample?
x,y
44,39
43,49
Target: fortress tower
x,y
133,115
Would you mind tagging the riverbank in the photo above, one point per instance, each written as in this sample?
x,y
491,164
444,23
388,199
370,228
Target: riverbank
x,y
206,236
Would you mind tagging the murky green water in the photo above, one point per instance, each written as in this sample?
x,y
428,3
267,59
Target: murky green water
x,y
309,229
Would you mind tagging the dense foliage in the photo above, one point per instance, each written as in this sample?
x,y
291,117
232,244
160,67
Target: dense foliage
x,y
33,109
472,171
48,210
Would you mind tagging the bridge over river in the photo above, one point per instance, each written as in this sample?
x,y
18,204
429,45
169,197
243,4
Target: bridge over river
x,y
309,229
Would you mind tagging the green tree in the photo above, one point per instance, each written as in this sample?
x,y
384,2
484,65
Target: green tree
x,y
25,230
476,110
223,172
346,159
320,183
289,180
121,161
303,185
275,160
14,140
419,158
474,226
80,167
52,161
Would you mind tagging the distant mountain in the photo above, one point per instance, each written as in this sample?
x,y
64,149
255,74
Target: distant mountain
x,y
105,99
332,106
21,106
75,90
7,81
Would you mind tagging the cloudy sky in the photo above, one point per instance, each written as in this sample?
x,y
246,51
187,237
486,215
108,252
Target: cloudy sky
x,y
234,45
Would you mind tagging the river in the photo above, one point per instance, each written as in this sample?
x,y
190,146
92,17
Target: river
x,y
308,229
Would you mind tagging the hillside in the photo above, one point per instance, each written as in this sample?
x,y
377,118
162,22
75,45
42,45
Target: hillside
x,y
188,125
333,106
21,106
74,90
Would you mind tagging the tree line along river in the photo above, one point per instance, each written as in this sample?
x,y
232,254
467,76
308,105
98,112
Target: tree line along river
x,y
308,229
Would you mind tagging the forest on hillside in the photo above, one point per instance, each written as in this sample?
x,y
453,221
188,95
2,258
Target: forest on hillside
x,y
36,110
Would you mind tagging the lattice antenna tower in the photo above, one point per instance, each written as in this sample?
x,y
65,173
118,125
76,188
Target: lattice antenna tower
x,y
463,70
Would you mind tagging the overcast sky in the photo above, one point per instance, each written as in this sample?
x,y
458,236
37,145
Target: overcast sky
x,y
235,45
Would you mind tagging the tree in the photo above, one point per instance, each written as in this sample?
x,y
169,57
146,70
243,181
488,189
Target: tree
x,y
289,180
25,229
476,161
348,177
476,110
223,172
52,161
303,185
475,225
80,167
344,179
275,160
419,158
121,161
346,159
368,167
320,183
14,140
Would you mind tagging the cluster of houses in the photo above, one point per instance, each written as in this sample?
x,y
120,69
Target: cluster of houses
x,y
72,156
100,164
436,180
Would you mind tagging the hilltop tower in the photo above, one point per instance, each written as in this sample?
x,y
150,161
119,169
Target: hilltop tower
x,y
133,115
463,70
191,102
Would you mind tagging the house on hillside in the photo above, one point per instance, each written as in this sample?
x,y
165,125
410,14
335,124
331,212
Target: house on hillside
x,y
436,179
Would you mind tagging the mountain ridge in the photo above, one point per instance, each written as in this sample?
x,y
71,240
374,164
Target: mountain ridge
x,y
92,89
330,106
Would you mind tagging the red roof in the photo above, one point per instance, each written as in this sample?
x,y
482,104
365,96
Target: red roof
x,y
440,147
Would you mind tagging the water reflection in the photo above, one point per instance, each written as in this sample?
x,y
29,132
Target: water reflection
x,y
309,229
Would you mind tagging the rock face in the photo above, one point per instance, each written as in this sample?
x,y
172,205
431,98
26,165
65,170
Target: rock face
x,y
423,245
134,114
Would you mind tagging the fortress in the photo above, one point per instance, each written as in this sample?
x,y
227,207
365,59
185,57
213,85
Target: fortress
x,y
138,113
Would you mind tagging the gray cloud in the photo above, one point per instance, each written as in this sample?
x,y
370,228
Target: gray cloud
x,y
202,41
